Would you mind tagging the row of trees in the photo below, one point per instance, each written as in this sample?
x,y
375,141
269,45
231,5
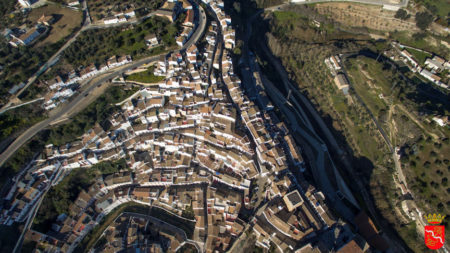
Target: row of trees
x,y
423,19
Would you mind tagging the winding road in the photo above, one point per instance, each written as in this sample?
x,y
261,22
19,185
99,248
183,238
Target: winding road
x,y
79,101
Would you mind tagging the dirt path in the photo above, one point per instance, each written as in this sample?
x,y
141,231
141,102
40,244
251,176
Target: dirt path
x,y
413,118
392,126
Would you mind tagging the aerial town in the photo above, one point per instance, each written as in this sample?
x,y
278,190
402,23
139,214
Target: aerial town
x,y
194,140
211,155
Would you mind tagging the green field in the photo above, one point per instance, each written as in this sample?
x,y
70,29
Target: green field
x,y
437,7
369,81
145,77
360,129
424,158
419,56
406,39
286,16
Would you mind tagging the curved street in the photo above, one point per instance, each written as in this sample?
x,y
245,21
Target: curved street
x,y
79,101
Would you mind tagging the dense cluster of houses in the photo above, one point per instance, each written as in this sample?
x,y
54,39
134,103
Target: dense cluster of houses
x,y
63,88
141,233
193,142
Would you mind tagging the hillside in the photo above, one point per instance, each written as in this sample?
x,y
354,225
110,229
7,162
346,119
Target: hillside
x,y
384,110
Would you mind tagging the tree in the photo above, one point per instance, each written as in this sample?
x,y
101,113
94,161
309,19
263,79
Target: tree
x,y
188,212
423,19
130,41
237,7
402,14
419,36
444,181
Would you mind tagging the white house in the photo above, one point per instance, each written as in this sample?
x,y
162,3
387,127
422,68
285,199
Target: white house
x,y
111,20
436,63
121,18
73,3
55,83
409,57
90,71
151,40
130,14
124,60
433,78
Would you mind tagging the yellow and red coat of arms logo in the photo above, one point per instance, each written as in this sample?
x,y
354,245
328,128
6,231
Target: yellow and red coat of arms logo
x,y
434,234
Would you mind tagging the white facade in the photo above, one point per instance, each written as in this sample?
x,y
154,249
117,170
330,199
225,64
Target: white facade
x,y
110,21
25,3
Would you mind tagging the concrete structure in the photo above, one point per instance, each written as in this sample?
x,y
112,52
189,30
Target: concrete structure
x,y
342,83
293,200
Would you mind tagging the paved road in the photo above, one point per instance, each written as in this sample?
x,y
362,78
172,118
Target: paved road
x,y
79,101
87,25
20,105
51,61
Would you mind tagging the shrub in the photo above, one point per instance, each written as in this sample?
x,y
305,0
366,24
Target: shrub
x,y
402,14
423,19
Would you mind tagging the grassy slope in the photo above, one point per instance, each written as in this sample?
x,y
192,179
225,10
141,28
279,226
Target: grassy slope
x,y
355,125
418,55
145,77
426,181
442,6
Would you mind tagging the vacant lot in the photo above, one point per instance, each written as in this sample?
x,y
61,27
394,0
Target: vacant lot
x,y
66,20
